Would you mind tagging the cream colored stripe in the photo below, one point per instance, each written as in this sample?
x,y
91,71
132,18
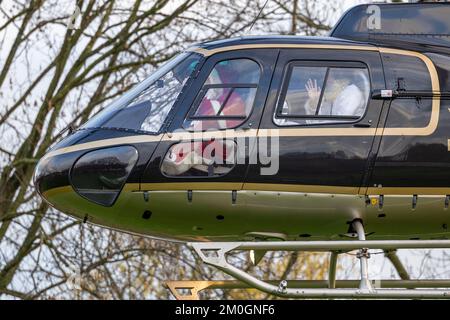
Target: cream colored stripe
x,y
192,186
104,143
248,186
56,191
217,134
300,188
317,132
129,187
293,188
208,52
408,191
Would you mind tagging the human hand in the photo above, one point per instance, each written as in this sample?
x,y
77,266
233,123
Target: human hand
x,y
312,89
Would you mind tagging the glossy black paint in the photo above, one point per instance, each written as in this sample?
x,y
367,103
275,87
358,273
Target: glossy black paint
x,y
99,175
415,161
339,160
336,160
266,58
54,172
331,160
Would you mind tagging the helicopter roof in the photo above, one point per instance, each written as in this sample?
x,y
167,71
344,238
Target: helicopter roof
x,y
274,40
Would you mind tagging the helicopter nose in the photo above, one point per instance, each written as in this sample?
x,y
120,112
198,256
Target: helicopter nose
x,y
97,175
52,173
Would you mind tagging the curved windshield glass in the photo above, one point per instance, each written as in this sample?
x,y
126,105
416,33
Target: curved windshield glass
x,y
146,106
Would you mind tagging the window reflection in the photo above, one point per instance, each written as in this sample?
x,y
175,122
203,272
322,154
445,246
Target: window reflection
x,y
100,175
327,93
227,96
210,158
150,102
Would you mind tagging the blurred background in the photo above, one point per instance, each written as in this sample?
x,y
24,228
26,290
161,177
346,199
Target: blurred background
x,y
58,66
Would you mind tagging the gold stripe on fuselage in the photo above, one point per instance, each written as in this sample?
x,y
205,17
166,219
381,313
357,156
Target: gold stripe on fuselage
x,y
248,186
269,187
104,143
209,52
297,188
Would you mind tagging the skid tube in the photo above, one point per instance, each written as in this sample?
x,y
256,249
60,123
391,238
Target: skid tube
x,y
215,254
191,289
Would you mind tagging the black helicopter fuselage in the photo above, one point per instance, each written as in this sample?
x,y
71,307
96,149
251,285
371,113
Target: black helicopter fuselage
x,y
388,165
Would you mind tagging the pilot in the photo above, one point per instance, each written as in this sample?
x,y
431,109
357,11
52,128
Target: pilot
x,y
192,155
212,104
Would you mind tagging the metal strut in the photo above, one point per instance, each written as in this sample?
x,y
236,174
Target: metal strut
x,y
215,254
363,255
190,289
332,270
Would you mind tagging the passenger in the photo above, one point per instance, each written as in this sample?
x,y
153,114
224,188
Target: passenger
x,y
342,97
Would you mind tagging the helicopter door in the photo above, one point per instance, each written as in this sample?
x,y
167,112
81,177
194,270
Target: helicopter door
x,y
320,115
207,143
413,154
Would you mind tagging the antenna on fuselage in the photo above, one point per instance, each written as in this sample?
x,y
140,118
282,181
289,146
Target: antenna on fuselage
x,y
257,17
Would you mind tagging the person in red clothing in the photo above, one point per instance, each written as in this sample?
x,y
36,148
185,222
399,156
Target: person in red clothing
x,y
219,102
204,155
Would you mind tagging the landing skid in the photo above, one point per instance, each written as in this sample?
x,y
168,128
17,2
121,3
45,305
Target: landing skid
x,y
215,254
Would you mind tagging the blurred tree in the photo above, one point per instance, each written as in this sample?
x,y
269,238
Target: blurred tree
x,y
53,77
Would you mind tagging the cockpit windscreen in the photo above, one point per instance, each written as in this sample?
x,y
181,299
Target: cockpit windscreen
x,y
146,106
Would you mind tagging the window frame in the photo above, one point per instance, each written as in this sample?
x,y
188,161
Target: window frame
x,y
340,119
205,87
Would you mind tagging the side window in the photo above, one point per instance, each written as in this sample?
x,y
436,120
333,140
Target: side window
x,y
323,94
407,73
410,73
227,96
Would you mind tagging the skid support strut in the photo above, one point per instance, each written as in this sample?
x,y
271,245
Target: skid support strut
x,y
363,255
215,254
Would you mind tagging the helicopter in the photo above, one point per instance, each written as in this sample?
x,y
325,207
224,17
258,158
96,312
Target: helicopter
x,y
278,143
